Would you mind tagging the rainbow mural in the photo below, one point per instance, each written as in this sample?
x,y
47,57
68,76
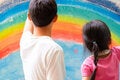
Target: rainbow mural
x,y
67,32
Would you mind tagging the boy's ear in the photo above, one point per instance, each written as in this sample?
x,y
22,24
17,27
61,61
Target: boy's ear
x,y
55,18
29,17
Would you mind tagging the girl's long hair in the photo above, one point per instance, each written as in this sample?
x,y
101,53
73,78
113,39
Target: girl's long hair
x,y
97,37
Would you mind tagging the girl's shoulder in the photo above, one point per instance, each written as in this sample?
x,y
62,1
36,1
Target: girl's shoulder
x,y
89,61
116,51
88,66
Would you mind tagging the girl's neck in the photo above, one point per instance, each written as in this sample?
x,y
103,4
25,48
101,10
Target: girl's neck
x,y
104,53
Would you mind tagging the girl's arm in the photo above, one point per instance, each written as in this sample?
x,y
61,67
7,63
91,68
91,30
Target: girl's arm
x,y
85,78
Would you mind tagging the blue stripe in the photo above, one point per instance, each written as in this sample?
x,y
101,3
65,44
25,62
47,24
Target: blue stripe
x,y
14,10
108,4
24,6
93,7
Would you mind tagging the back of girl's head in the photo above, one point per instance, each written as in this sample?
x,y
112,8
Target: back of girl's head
x,y
97,32
42,12
97,37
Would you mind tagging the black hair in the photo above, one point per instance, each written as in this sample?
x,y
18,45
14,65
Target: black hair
x,y
96,37
42,12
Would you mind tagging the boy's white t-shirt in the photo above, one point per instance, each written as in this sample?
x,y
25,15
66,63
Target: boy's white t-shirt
x,y
42,58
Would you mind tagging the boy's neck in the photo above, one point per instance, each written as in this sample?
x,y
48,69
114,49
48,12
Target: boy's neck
x,y
42,31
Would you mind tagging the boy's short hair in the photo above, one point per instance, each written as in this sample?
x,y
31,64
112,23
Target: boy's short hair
x,y
42,12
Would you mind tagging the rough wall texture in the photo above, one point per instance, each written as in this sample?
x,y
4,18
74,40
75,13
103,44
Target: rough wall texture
x,y
73,14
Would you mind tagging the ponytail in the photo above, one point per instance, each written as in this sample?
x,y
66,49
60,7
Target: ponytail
x,y
95,51
98,32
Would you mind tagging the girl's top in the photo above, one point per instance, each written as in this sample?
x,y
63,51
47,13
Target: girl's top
x,y
108,68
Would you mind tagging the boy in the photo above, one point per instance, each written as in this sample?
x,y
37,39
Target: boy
x,y
42,58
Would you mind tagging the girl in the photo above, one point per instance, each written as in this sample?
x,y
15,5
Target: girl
x,y
103,64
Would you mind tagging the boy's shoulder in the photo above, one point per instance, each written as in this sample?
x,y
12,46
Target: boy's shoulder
x,y
57,46
49,43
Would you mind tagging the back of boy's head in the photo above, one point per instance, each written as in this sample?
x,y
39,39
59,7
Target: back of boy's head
x,y
42,12
96,32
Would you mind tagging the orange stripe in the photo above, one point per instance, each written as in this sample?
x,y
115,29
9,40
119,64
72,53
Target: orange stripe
x,y
67,31
61,31
9,45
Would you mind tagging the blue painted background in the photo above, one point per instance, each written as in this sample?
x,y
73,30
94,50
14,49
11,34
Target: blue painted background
x,y
11,66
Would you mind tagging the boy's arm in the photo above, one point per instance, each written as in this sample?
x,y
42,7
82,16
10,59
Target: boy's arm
x,y
28,26
56,66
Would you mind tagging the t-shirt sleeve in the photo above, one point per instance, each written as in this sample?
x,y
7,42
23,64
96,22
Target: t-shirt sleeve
x,y
87,67
117,51
25,38
55,65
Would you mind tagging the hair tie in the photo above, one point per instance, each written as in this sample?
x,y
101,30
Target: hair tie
x,y
95,46
94,42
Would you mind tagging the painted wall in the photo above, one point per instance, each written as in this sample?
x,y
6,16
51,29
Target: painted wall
x,y
73,14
